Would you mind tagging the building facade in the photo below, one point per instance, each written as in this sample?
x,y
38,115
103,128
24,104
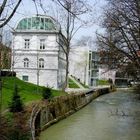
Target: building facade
x,y
93,71
79,62
37,54
84,65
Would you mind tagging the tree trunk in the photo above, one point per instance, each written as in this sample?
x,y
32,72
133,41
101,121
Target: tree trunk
x,y
67,73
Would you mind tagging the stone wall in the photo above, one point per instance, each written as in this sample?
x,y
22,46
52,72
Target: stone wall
x,y
58,108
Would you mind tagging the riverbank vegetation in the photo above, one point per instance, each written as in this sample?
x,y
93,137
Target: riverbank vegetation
x,y
28,92
16,124
19,96
119,44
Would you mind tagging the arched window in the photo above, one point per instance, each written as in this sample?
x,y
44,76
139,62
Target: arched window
x,y
26,62
41,63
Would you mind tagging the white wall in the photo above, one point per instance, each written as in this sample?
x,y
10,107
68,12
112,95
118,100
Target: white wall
x,y
48,76
51,44
79,63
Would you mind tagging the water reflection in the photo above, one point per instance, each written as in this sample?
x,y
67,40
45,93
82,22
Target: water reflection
x,y
114,116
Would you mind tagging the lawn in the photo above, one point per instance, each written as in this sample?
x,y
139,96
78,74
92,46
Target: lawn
x,y
28,92
85,86
72,84
102,82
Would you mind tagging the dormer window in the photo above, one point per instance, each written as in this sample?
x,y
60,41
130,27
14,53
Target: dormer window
x,y
42,44
26,43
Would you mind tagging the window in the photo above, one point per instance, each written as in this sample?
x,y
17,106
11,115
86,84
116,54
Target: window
x,y
26,63
94,73
25,78
42,44
95,64
89,56
95,56
41,63
27,43
35,23
42,23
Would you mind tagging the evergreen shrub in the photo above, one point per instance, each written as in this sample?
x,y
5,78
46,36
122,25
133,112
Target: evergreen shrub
x,y
16,104
46,93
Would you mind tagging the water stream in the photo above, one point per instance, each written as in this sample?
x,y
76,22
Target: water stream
x,y
114,116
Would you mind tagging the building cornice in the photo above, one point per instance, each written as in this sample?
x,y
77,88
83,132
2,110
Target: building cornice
x,y
43,69
34,32
41,51
35,54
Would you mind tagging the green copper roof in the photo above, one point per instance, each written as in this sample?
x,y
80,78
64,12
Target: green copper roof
x,y
37,23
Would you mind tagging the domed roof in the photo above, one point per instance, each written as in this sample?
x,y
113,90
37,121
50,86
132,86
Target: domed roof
x,y
37,23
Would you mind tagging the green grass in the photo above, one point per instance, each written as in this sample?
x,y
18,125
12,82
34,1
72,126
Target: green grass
x,y
72,84
85,86
28,92
102,82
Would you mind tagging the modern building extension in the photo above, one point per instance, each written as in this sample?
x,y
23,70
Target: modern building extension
x,y
37,52
93,70
84,65
79,63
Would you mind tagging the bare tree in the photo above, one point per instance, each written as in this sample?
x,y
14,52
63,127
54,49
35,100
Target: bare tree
x,y
5,57
122,38
7,10
69,15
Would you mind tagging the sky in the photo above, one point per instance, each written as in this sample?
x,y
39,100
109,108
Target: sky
x,y
27,8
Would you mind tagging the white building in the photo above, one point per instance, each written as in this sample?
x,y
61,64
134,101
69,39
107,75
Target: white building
x,y
93,71
37,53
85,66
79,63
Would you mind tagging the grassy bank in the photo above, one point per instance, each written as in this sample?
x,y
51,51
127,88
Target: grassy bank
x,y
28,92
102,82
72,84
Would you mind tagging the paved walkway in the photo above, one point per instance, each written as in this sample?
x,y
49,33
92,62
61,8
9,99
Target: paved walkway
x,y
77,90
83,90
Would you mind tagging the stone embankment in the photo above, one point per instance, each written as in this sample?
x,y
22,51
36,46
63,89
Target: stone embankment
x,y
46,113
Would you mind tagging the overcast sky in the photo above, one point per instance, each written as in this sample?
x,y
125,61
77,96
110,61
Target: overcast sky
x,y
27,8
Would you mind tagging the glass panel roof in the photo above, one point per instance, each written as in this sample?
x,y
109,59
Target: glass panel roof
x,y
37,23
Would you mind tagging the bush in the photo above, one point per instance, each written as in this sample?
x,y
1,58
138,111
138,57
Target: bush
x,y
137,89
16,104
46,93
8,73
110,81
17,126
17,134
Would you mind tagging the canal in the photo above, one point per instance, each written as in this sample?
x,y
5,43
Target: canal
x,y
114,116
